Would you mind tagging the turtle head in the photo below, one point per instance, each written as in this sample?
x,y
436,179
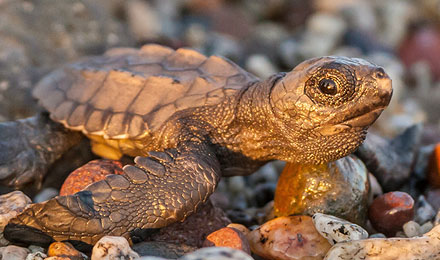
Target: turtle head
x,y
324,106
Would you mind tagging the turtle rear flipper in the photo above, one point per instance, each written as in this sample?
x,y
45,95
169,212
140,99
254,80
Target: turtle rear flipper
x,y
29,146
160,189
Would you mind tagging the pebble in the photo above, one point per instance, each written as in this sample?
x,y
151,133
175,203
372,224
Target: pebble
x,y
12,252
378,235
243,229
63,249
425,211
391,160
425,247
337,230
217,253
143,20
46,194
411,229
375,188
261,66
10,205
89,173
112,247
425,228
287,238
338,188
228,237
162,249
37,256
390,211
434,168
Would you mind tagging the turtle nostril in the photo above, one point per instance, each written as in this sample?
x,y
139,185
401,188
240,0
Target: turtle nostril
x,y
380,73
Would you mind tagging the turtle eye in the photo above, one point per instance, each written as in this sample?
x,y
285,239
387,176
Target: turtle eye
x,y
328,86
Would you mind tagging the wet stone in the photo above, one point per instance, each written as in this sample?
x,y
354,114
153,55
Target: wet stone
x,y
112,247
228,237
10,205
64,249
425,247
287,238
390,211
337,230
217,253
13,252
89,173
338,188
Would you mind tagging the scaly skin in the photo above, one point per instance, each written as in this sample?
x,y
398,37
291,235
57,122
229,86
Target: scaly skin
x,y
316,113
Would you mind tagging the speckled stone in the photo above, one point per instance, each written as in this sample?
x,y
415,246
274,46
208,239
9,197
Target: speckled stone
x,y
37,256
89,173
337,230
63,249
10,205
228,237
217,253
425,247
338,188
288,238
112,247
390,211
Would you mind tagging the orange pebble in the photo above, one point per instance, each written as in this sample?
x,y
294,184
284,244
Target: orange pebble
x,y
89,173
63,249
228,237
434,168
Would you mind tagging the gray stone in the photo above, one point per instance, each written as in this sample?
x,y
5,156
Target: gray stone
x,y
46,194
13,252
424,211
217,253
112,247
411,229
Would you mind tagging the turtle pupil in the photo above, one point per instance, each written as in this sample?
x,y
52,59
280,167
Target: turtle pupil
x,y
328,86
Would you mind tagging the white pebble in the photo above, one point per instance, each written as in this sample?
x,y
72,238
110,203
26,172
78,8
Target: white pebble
x,y
13,253
411,229
112,247
425,228
10,205
337,230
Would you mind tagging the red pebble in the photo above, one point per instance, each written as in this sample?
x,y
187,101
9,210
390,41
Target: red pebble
x,y
89,173
228,237
422,44
390,211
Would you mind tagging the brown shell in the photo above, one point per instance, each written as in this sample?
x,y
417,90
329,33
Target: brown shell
x,y
127,93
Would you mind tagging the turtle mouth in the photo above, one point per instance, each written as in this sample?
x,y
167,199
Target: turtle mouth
x,y
364,119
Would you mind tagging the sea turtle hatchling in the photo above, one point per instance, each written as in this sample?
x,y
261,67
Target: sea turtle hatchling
x,y
189,119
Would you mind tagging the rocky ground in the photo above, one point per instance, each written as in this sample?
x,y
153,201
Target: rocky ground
x,y
389,191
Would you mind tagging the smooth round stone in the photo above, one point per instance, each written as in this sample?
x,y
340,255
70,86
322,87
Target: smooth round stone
x,y
425,228
112,247
89,173
288,238
411,229
63,249
217,253
13,252
337,188
337,230
228,237
390,211
10,205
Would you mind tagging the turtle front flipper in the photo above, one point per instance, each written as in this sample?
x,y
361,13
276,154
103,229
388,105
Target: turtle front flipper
x,y
160,189
29,146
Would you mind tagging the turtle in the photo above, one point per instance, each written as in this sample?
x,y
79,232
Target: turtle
x,y
188,120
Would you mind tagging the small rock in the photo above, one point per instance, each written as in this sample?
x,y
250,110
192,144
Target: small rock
x,y
10,205
377,235
425,211
425,228
433,197
337,188
412,229
217,253
162,249
152,258
337,230
425,247
143,20
228,237
63,249
260,65
89,173
112,247
36,256
390,161
390,211
434,168
286,238
375,188
46,194
243,229
13,252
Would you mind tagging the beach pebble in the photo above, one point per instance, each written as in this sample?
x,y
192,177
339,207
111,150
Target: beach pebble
x,y
63,249
10,205
425,211
337,230
228,237
390,211
243,229
36,256
425,247
162,249
13,253
217,253
112,247
337,188
288,238
46,194
89,173
411,229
